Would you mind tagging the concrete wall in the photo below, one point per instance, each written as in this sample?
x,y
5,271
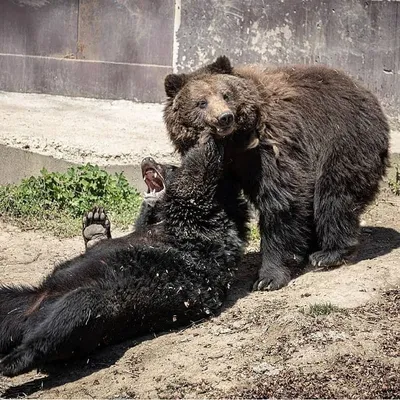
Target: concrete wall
x,y
124,48
361,37
116,49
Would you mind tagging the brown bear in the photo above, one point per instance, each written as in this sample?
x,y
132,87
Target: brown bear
x,y
317,150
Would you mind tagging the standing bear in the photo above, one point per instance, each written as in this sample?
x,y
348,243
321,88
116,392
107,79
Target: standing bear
x,y
317,149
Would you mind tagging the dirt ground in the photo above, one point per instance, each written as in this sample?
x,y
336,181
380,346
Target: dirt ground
x,y
79,129
261,345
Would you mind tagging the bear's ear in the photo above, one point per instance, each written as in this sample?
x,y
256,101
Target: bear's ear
x,y
173,83
221,65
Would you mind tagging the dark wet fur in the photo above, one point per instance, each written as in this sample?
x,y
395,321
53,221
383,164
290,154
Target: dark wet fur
x,y
158,278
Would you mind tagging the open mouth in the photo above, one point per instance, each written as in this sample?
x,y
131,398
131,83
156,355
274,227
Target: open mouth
x,y
225,131
153,176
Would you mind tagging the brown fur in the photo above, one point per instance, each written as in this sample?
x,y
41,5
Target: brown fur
x,y
35,306
322,150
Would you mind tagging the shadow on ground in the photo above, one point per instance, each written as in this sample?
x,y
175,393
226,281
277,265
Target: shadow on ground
x,y
375,242
62,373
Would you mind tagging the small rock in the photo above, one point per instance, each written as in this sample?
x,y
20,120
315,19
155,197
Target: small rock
x,y
224,331
239,324
266,368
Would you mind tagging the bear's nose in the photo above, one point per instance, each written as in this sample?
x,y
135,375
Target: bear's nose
x,y
225,119
148,160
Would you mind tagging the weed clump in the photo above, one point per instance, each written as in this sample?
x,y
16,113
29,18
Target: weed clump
x,y
394,184
323,309
56,201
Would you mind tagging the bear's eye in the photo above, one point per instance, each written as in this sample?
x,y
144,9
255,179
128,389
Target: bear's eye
x,y
226,96
202,104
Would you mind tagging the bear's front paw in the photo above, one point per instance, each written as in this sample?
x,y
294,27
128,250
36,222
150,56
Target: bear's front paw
x,y
272,278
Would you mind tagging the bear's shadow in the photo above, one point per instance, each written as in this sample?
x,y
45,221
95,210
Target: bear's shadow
x,y
64,372
375,242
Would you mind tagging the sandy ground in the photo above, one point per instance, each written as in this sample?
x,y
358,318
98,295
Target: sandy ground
x,y
104,132
82,130
261,345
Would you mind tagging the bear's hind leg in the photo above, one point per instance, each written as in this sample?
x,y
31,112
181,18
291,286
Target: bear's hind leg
x,y
16,303
95,226
337,227
348,179
75,324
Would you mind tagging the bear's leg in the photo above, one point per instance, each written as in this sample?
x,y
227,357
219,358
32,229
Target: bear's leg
x,y
74,324
95,226
273,274
337,227
284,246
15,305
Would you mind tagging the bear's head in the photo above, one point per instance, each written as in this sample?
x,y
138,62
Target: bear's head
x,y
210,100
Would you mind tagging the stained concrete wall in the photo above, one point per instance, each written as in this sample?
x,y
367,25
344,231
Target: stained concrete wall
x,y
360,37
115,49
124,48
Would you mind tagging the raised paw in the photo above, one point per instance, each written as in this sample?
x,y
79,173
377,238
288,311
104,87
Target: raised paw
x,y
272,279
95,226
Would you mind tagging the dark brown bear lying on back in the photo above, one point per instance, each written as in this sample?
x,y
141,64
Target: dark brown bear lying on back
x,y
317,150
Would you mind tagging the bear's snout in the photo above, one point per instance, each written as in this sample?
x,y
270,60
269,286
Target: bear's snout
x,y
225,120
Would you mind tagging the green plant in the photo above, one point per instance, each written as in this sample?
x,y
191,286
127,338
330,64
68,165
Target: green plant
x,y
254,235
318,309
394,184
55,198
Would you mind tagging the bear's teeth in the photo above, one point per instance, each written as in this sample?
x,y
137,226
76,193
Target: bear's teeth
x,y
155,175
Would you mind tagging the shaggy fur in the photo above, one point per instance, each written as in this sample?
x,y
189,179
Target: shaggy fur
x,y
161,277
322,150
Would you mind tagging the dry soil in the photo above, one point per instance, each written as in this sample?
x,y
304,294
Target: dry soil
x,y
261,345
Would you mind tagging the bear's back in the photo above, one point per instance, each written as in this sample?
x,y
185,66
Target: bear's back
x,y
317,104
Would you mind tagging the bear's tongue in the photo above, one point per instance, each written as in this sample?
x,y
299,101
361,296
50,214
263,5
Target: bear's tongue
x,y
153,180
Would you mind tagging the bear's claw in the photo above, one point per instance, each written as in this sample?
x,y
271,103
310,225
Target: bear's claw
x,y
333,258
272,278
